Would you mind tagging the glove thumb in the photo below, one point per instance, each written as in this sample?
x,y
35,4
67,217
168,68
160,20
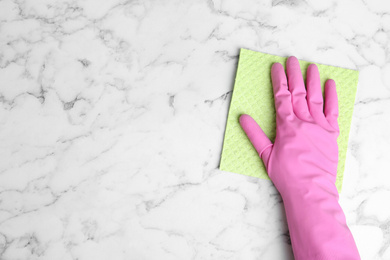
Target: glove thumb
x,y
257,137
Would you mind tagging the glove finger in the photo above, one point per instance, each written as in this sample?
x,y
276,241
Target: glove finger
x,y
255,134
314,93
297,88
331,108
282,96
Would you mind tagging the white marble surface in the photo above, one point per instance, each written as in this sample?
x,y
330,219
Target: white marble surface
x,y
112,118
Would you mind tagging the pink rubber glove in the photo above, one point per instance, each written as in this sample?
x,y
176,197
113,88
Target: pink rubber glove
x,y
302,163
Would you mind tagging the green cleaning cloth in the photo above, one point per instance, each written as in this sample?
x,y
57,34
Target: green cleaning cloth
x,y
253,95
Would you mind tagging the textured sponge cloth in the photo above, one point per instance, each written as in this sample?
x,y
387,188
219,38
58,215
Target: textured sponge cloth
x,y
253,95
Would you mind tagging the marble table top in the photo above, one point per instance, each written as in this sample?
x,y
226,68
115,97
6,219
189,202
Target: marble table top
x,y
112,119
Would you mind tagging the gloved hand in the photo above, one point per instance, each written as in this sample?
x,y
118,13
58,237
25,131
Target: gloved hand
x,y
302,162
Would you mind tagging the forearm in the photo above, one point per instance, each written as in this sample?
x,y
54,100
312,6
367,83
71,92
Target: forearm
x,y
317,224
